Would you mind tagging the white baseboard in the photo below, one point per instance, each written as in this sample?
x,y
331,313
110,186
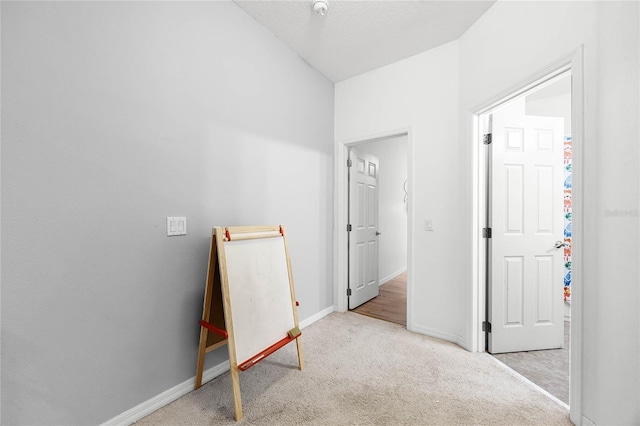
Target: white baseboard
x,y
392,276
317,317
462,343
449,337
142,410
529,382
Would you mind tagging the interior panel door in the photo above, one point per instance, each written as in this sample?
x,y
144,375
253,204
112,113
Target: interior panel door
x,y
527,224
363,218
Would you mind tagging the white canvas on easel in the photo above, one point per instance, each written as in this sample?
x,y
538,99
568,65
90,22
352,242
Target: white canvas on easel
x,y
258,289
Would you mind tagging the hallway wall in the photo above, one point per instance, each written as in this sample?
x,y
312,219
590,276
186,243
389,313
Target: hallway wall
x,y
420,94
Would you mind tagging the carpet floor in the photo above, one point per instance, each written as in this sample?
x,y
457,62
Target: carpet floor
x,y
363,371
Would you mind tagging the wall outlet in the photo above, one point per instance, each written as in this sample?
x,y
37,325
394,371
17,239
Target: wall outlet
x,y
176,226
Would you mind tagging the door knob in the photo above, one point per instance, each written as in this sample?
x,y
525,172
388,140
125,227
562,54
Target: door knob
x,y
378,233
560,244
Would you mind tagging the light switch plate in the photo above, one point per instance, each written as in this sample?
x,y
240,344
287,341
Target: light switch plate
x,y
176,226
428,224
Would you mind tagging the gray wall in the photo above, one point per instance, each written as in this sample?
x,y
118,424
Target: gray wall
x,y
114,116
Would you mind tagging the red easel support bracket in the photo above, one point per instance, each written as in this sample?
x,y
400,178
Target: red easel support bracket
x,y
262,355
214,329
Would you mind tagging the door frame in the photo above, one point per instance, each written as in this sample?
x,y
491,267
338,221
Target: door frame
x,y
341,203
573,62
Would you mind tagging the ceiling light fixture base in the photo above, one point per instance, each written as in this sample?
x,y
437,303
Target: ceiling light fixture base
x,y
320,7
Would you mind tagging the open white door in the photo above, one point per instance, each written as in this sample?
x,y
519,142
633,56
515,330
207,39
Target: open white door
x,y
363,222
527,221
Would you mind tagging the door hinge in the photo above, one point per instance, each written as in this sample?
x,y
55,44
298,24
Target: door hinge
x,y
348,292
349,162
486,232
487,139
486,326
349,228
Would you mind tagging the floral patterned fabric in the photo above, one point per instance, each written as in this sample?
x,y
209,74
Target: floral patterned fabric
x,y
567,217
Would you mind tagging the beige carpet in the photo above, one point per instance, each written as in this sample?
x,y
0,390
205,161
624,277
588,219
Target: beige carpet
x,y
363,371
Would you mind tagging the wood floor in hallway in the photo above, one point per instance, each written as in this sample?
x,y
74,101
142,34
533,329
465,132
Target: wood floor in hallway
x,y
391,304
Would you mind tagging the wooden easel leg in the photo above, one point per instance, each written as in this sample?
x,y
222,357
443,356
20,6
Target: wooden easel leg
x,y
206,312
300,360
201,352
237,400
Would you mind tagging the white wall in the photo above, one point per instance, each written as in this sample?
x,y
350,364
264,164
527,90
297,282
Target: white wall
x,y
553,106
392,222
114,116
611,366
434,94
420,94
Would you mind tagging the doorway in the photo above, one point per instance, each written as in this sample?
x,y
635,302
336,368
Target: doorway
x,y
573,62
528,246
380,166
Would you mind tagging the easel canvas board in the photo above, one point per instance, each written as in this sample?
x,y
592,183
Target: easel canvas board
x,y
259,294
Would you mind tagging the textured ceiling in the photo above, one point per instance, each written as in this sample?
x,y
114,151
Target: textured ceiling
x,y
358,36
